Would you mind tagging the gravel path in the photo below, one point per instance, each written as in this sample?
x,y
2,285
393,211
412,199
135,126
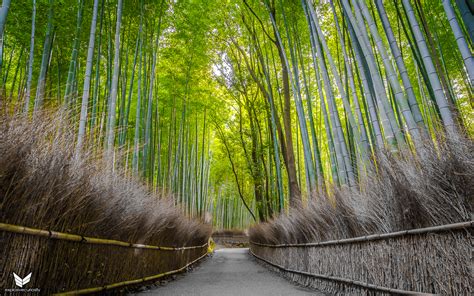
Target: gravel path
x,y
230,272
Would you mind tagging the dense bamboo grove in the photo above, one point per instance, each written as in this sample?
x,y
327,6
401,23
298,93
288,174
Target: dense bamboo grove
x,y
107,78
242,109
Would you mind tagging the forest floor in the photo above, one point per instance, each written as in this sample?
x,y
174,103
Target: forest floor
x,y
233,272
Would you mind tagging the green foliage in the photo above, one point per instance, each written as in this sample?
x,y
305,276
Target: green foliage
x,y
219,67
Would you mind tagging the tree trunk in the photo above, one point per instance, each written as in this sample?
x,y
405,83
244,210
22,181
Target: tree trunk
x,y
401,66
48,40
30,60
87,79
295,193
3,19
400,97
113,91
468,17
71,77
460,40
441,100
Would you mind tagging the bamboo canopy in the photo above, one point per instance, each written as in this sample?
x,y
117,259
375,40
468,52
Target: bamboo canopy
x,y
338,133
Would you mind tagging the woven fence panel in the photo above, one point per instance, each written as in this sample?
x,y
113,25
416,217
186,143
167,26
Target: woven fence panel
x,y
61,266
438,263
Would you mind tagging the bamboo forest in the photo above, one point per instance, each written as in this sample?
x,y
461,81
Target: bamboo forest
x,y
332,138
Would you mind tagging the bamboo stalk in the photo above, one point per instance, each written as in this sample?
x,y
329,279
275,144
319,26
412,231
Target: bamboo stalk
x,y
30,59
447,227
87,240
48,41
130,282
343,280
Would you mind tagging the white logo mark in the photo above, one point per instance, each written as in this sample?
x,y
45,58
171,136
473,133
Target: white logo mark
x,y
21,282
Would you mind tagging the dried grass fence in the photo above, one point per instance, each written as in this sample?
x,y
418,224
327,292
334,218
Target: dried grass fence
x,y
70,220
400,191
86,266
432,260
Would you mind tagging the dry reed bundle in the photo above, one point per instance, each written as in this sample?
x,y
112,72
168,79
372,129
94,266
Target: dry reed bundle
x,y
44,185
404,192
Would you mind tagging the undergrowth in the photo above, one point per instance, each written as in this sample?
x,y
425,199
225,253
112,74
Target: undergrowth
x,y
43,184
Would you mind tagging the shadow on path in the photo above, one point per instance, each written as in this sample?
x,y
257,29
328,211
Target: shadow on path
x,y
230,272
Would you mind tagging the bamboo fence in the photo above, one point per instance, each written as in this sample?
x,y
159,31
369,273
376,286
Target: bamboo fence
x,y
432,260
69,264
130,282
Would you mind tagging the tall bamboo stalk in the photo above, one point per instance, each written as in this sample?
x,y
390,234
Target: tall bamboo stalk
x,y
48,40
74,55
441,99
392,77
460,40
113,90
30,60
401,65
3,19
87,80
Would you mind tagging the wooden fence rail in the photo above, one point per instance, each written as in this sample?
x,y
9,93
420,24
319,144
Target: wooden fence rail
x,y
87,240
372,237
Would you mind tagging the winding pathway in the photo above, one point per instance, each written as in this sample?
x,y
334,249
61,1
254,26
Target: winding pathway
x,y
232,272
